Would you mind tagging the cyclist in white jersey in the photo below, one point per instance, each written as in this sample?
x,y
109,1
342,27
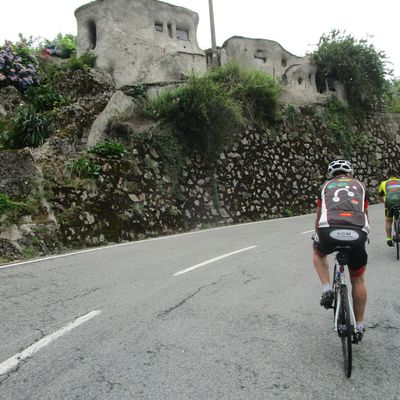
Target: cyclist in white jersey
x,y
342,219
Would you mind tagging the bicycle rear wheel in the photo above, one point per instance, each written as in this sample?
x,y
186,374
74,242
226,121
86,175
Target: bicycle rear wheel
x,y
345,331
335,290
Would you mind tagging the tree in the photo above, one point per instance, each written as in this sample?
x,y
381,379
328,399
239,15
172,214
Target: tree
x,y
393,102
355,63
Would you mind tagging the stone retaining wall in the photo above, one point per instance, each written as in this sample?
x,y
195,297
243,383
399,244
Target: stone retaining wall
x,y
265,174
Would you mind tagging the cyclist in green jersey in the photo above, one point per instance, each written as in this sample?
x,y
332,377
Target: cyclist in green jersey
x,y
390,191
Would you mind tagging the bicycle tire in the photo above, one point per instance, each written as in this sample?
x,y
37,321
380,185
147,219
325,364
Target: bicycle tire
x,y
335,290
396,231
346,331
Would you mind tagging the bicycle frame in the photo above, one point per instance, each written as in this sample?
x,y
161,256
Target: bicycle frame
x,y
340,282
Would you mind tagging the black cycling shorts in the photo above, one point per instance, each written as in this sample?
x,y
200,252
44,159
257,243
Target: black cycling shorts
x,y
328,238
389,210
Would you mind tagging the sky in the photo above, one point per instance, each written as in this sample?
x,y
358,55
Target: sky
x,y
295,25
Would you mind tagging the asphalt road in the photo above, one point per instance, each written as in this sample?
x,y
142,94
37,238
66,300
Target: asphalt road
x,y
203,315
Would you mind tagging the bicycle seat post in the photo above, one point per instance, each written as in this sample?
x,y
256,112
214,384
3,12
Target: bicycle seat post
x,y
342,256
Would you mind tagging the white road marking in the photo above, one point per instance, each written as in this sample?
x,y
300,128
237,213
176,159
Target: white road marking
x,y
212,260
303,233
137,242
14,361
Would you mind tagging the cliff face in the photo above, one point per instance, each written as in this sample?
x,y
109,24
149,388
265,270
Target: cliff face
x,y
265,174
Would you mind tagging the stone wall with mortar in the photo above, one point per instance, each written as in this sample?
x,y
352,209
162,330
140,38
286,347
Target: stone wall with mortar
x,y
265,174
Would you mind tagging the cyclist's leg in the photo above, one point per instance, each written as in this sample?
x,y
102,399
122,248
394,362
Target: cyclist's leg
x,y
388,225
320,261
357,264
359,294
388,228
321,248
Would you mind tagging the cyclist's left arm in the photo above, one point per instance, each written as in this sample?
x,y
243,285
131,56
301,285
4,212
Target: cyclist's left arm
x,y
317,218
381,190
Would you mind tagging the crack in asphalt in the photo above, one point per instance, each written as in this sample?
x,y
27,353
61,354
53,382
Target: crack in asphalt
x,y
78,296
382,326
169,310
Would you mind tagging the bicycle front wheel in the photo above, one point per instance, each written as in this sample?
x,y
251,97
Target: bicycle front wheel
x,y
345,331
397,238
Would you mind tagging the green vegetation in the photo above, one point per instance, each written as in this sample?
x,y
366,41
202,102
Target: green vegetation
x,y
84,62
138,93
205,117
355,63
256,92
30,69
12,210
109,149
84,168
29,252
63,46
45,98
393,102
6,203
209,112
339,123
171,151
27,129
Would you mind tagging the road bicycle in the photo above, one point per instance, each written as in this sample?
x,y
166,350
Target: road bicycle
x,y
396,228
344,318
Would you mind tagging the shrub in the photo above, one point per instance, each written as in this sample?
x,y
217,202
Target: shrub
x,y
50,72
84,62
84,168
109,149
45,98
393,101
339,123
29,128
63,46
355,63
17,66
257,92
209,112
205,117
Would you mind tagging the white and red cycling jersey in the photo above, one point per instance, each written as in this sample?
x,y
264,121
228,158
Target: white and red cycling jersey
x,y
343,202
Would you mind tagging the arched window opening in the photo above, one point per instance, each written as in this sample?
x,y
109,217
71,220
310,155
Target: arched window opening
x,y
92,34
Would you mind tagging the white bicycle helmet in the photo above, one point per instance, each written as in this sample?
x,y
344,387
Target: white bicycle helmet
x,y
340,166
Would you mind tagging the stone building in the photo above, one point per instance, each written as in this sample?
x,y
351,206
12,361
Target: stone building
x,y
155,43
141,41
296,73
